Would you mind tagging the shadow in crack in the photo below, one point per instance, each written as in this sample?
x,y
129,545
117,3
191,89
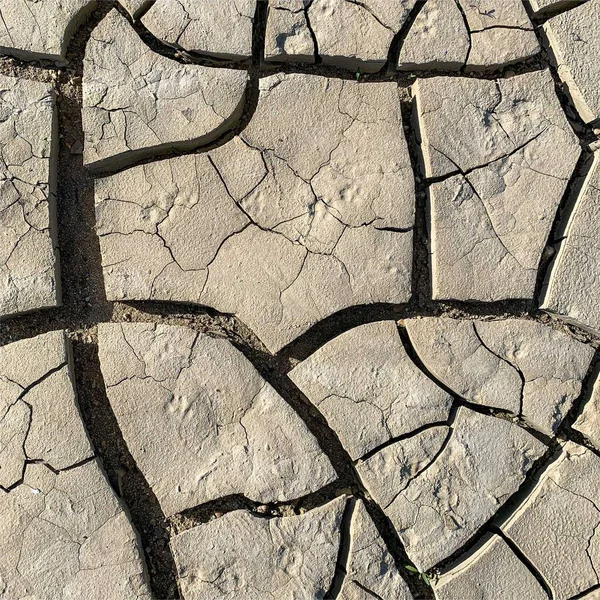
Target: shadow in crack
x,y
232,126
123,474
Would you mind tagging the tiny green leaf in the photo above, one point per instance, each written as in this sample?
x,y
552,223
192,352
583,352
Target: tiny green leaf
x,y
411,569
425,578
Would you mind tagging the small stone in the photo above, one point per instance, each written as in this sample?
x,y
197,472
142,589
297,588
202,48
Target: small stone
x,y
137,102
220,29
491,572
557,526
289,557
368,389
201,423
438,506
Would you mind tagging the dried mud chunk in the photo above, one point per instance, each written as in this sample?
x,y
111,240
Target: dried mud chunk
x,y
573,292
308,212
137,102
501,33
348,34
290,557
28,265
65,535
438,39
544,8
493,571
135,7
588,421
201,423
39,416
31,29
575,41
371,571
557,526
221,29
437,506
501,153
520,366
478,35
368,389
288,37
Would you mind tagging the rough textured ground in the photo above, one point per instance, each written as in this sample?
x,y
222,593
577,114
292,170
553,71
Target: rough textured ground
x,y
299,299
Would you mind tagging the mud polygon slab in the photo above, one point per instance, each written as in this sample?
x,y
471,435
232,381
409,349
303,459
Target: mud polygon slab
x,y
290,557
556,527
308,212
500,155
201,422
137,102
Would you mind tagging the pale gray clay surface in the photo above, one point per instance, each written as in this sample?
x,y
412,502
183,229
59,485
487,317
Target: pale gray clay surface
x,y
351,35
331,280
28,265
201,422
575,42
557,526
63,533
39,416
372,572
519,366
368,388
545,8
136,7
66,535
218,28
240,555
588,421
32,29
498,180
475,35
572,290
288,37
136,101
443,493
493,571
308,212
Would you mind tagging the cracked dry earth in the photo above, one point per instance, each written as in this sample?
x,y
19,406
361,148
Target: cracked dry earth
x,y
299,299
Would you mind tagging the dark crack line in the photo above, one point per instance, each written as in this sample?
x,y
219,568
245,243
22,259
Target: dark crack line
x,y
366,590
524,560
341,565
400,37
404,436
515,367
562,217
315,41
